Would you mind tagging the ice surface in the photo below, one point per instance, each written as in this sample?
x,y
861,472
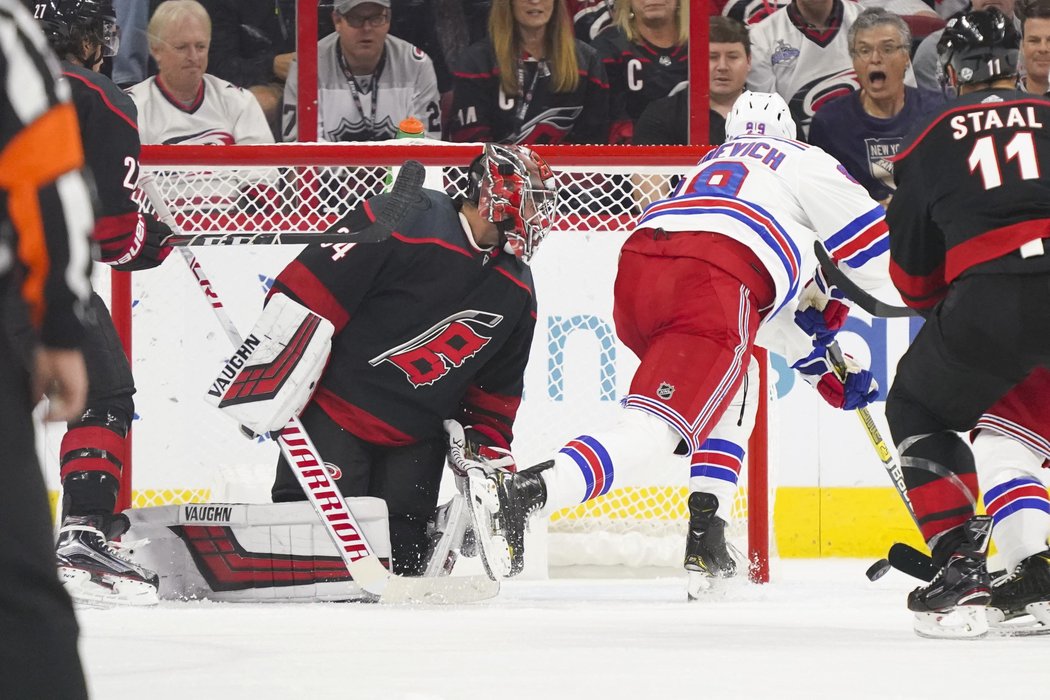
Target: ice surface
x,y
820,630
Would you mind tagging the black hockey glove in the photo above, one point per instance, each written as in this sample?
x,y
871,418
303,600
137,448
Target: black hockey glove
x,y
131,242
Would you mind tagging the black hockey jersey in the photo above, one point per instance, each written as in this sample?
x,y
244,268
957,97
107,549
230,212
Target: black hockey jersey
x,y
427,328
109,127
638,74
482,112
973,186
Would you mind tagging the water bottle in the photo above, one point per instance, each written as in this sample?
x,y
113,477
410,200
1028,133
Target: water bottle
x,y
409,128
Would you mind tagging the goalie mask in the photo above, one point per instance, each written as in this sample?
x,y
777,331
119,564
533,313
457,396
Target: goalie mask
x,y
978,47
514,189
69,23
760,113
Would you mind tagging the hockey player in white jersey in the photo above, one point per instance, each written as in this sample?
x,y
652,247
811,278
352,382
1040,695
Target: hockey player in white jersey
x,y
718,267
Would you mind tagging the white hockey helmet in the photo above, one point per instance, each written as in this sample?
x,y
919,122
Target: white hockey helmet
x,y
763,113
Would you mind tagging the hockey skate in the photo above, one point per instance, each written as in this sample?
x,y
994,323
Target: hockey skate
x,y
707,554
502,502
448,536
1020,604
953,604
94,571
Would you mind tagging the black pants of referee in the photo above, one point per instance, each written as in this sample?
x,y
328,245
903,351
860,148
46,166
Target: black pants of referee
x,y
407,478
38,631
990,331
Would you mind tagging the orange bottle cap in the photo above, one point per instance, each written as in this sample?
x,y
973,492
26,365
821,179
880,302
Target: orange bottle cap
x,y
411,125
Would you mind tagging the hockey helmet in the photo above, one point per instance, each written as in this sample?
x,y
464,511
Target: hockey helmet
x,y
978,47
763,113
514,188
67,23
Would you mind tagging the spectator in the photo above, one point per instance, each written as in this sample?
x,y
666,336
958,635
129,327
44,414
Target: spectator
x,y
927,70
590,17
530,81
751,11
131,64
443,29
1035,47
253,45
645,54
864,130
182,103
367,80
666,121
800,52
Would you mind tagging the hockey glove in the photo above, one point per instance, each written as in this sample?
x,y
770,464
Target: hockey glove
x,y
131,242
857,391
822,309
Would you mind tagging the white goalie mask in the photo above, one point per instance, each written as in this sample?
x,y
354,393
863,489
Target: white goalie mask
x,y
761,113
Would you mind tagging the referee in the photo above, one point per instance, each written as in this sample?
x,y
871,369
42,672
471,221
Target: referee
x,y
45,221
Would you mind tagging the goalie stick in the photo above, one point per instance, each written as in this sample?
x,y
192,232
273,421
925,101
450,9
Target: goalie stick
x,y
855,294
364,566
356,227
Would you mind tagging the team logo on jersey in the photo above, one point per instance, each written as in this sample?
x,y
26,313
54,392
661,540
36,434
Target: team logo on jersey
x,y
665,391
880,158
447,344
664,60
783,53
814,95
549,126
333,471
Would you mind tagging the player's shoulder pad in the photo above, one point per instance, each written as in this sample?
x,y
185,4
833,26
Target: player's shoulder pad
x,y
89,86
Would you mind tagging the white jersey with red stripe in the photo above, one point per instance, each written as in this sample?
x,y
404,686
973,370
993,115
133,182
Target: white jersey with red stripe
x,y
777,197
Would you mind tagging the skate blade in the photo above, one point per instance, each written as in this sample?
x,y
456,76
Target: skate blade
x,y
94,591
492,546
1035,624
699,585
962,622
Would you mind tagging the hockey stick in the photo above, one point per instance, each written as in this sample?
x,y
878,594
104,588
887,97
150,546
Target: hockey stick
x,y
855,294
306,463
356,227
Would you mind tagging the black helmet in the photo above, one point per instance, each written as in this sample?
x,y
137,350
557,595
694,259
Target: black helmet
x,y
69,23
978,47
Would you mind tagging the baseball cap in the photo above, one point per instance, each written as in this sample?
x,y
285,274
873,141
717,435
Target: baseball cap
x,y
344,6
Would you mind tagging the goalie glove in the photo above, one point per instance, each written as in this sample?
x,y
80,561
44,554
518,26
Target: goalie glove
x,y
132,242
822,309
857,391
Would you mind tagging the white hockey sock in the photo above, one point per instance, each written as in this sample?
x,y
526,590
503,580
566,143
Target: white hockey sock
x,y
715,468
588,466
1013,495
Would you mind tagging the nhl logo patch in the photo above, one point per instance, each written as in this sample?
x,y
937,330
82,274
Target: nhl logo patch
x,y
664,60
665,391
966,73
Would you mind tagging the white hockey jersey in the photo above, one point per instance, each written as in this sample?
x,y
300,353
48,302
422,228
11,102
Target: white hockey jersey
x,y
808,67
777,197
222,114
405,86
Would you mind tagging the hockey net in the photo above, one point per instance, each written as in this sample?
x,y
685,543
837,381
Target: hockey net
x,y
576,376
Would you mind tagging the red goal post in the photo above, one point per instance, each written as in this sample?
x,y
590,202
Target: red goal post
x,y
304,187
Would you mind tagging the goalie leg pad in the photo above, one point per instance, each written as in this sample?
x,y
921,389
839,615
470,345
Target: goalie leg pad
x,y
271,376
250,552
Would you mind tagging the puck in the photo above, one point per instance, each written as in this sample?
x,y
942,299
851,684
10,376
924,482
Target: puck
x,y
878,569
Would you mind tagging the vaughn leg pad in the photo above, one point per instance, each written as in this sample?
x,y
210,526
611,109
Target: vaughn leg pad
x,y
250,552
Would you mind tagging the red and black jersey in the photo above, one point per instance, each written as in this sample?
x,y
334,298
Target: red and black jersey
x,y
109,125
482,112
427,328
639,73
973,185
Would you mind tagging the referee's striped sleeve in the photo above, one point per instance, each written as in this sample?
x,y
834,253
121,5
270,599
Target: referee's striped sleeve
x,y
47,202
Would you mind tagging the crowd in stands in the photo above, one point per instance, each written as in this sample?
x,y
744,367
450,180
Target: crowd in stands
x,y
857,75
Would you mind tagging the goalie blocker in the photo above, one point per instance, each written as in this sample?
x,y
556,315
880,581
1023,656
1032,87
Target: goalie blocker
x,y
271,376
